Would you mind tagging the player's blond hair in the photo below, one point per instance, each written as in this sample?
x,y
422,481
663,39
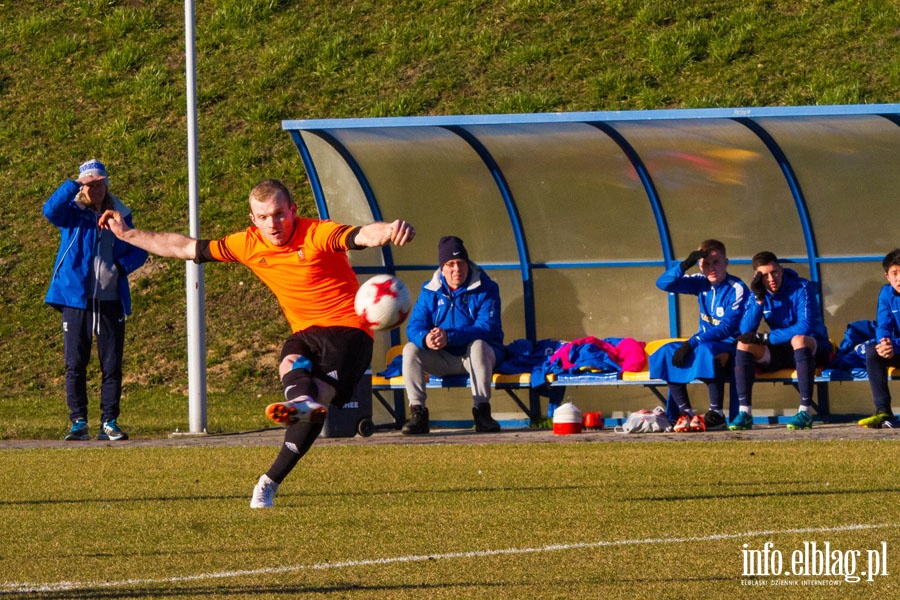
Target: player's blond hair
x,y
270,188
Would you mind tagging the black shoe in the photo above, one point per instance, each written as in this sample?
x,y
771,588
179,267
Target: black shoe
x,y
417,423
484,422
715,421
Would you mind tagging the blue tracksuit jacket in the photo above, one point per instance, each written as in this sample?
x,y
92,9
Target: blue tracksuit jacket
x,y
79,237
469,313
887,321
792,311
721,306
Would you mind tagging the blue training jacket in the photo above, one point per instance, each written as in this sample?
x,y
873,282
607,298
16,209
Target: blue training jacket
x,y
792,311
469,313
887,321
721,306
78,244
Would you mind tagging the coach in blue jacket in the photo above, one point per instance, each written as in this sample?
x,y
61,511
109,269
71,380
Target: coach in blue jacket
x,y
454,329
90,287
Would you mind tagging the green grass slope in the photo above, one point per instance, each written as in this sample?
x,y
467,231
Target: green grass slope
x,y
106,79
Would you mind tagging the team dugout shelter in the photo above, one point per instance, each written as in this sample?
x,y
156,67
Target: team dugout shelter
x,y
575,215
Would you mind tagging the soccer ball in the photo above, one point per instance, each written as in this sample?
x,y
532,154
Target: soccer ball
x,y
383,302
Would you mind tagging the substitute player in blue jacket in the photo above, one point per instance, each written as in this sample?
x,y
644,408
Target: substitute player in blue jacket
x,y
882,353
707,354
454,329
797,337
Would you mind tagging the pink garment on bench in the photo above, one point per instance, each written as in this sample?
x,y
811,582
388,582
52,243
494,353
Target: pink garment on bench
x,y
628,353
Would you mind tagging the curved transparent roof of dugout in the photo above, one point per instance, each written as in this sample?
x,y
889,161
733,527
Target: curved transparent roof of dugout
x,y
577,214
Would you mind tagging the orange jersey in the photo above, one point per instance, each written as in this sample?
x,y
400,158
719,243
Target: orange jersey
x,y
310,275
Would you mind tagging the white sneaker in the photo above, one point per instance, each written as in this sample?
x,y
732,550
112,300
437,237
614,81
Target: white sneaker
x,y
263,493
292,411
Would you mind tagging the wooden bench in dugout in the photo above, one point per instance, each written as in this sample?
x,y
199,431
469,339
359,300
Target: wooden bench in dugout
x,y
554,389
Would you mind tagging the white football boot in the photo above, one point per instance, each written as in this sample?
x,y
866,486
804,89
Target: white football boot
x,y
263,493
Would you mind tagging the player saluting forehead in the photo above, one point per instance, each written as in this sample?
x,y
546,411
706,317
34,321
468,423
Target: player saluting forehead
x,y
304,262
708,354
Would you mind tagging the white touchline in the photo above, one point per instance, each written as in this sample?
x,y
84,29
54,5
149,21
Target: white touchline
x,y
19,588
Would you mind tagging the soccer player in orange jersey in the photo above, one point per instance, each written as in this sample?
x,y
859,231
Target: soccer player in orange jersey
x,y
304,262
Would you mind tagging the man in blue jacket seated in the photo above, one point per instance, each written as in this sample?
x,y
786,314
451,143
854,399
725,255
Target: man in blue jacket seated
x,y
454,329
797,337
882,352
707,354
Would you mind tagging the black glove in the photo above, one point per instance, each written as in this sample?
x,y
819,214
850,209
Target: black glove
x,y
681,355
751,337
758,287
692,259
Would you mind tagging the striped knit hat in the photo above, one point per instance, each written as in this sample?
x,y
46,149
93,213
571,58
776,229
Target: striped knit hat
x,y
92,167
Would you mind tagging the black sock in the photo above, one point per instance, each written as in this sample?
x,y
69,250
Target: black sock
x,y
298,439
679,394
744,374
298,382
716,387
806,373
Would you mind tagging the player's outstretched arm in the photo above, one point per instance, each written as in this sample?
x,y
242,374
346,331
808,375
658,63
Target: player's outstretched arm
x,y
378,234
171,245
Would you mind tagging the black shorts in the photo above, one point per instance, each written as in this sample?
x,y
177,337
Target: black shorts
x,y
783,357
340,356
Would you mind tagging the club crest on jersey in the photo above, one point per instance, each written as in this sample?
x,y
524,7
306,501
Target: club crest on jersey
x,y
720,311
300,254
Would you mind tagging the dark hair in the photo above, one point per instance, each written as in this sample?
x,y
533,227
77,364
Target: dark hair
x,y
710,245
268,188
892,258
764,258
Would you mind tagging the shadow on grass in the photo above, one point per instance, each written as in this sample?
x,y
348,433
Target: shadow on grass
x,y
269,591
832,491
300,494
248,591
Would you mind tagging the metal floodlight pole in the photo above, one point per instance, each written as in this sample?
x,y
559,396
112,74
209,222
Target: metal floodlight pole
x,y
196,320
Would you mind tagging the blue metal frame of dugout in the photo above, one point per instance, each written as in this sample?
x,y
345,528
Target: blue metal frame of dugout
x,y
609,123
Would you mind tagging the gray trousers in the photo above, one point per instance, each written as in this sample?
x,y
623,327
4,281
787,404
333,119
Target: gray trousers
x,y
478,363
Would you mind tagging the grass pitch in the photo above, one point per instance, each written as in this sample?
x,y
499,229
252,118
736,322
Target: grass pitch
x,y
586,520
